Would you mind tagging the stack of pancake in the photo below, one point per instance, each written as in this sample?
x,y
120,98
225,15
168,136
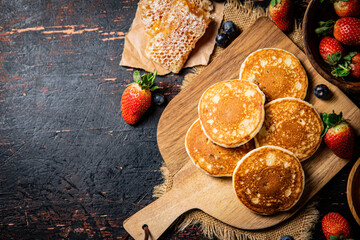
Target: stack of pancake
x,y
258,130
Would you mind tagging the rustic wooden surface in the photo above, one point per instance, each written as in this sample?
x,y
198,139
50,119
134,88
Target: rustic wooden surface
x,y
70,166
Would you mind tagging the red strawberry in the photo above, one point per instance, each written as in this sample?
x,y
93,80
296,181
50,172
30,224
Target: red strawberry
x,y
328,47
333,224
281,11
347,31
136,98
339,136
355,70
347,8
356,58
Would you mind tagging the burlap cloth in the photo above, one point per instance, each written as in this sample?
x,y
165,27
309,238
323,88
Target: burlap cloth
x,y
300,225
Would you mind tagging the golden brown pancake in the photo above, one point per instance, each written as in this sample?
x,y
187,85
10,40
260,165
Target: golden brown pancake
x,y
213,159
231,112
268,180
293,124
278,73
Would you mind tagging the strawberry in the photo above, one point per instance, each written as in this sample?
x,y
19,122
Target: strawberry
x,y
347,8
338,135
355,70
335,226
136,98
331,50
347,31
355,66
356,58
281,11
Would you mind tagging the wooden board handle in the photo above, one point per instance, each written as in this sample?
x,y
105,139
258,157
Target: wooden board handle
x,y
158,215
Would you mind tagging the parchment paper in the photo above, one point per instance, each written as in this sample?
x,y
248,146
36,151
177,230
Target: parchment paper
x,y
136,41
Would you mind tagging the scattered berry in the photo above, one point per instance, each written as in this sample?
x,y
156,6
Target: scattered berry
x,y
339,136
136,98
333,224
222,40
321,91
286,237
281,12
159,99
230,29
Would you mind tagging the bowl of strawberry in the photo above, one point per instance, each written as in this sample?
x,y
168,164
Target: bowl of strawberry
x,y
331,30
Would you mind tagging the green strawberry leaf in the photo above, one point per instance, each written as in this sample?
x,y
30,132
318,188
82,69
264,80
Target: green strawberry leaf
x,y
153,77
145,81
154,88
334,58
333,237
349,56
326,27
331,120
273,3
341,70
136,76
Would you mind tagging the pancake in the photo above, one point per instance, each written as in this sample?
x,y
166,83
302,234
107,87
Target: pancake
x,y
268,180
277,72
213,159
231,112
293,124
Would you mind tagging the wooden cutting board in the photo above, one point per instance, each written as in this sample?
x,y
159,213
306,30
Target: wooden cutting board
x,y
192,189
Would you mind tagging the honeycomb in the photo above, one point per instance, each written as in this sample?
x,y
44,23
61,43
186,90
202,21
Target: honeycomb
x,y
152,12
175,34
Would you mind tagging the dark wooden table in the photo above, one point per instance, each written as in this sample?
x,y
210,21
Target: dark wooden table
x,y
70,167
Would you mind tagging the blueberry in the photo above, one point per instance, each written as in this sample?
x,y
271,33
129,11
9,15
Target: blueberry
x,y
159,99
286,237
222,40
230,29
321,91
